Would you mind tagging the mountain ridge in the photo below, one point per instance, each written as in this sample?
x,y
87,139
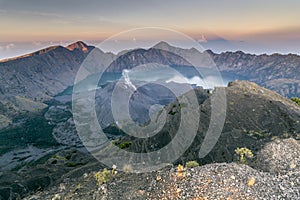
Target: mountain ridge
x,y
160,45
38,77
41,75
79,45
263,69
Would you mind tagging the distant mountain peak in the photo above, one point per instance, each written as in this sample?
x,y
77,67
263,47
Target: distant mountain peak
x,y
78,45
167,47
162,45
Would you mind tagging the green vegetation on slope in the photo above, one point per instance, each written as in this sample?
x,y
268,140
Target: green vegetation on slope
x,y
297,100
35,131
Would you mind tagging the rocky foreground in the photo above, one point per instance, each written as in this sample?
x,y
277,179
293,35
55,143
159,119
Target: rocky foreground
x,y
274,173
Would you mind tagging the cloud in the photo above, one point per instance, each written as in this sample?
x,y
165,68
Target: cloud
x,y
41,14
202,39
9,46
208,82
51,15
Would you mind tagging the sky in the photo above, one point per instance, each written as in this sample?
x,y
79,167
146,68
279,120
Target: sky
x,y
257,26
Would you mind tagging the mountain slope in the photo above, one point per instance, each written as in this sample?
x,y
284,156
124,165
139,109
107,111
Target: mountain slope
x,y
138,57
280,73
42,74
39,76
277,72
49,71
254,116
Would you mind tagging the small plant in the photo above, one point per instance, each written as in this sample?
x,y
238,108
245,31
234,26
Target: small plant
x,y
127,168
68,157
78,187
297,100
58,157
181,171
182,105
104,176
256,134
191,164
244,153
124,145
251,181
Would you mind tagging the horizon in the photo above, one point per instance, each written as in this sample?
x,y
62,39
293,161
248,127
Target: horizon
x,y
217,25
44,45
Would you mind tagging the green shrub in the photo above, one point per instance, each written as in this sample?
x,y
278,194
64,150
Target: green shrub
x,y
68,157
244,153
124,145
58,157
103,177
191,164
297,100
256,134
